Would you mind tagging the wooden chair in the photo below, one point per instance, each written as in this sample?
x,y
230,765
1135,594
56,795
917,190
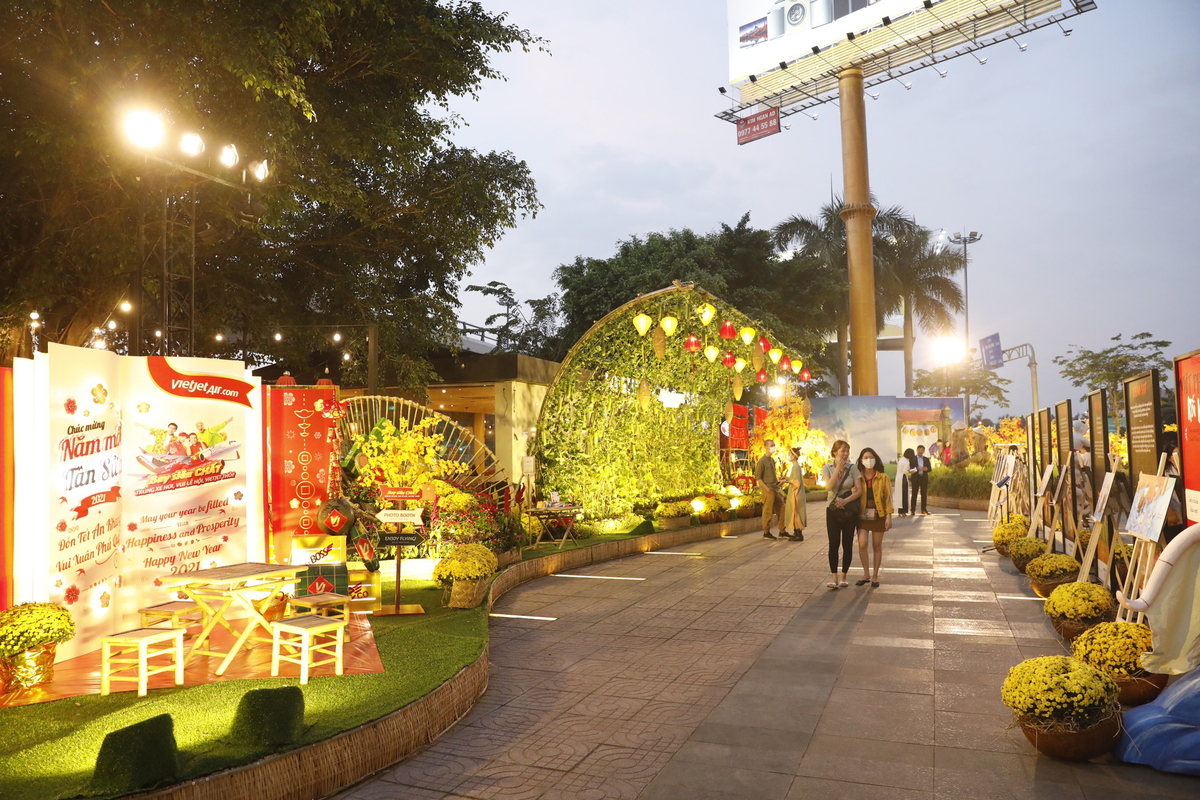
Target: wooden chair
x,y
326,604
310,635
117,649
177,614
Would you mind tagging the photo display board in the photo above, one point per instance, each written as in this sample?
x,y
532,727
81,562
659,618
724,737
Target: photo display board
x,y
1142,424
1046,448
1187,390
1098,439
1066,467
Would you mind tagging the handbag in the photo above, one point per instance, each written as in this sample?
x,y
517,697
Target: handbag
x,y
849,513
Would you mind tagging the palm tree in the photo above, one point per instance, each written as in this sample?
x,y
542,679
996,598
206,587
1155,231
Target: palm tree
x,y
920,276
824,238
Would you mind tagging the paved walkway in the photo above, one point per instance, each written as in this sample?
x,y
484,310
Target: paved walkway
x,y
725,669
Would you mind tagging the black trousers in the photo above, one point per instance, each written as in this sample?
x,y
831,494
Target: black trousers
x,y
904,494
841,531
920,483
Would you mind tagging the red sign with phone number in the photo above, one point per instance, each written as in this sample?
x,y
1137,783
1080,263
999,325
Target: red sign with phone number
x,y
756,126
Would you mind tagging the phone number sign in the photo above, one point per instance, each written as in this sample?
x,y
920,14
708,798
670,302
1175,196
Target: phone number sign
x,y
757,126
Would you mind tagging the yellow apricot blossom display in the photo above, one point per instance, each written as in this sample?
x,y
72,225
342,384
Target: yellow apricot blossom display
x,y
403,456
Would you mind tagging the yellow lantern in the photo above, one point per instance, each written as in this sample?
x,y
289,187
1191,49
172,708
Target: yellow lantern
x,y
706,313
711,353
775,355
669,324
642,322
739,365
797,365
747,334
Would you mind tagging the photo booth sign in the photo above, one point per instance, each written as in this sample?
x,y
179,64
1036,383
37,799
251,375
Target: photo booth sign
x,y
131,468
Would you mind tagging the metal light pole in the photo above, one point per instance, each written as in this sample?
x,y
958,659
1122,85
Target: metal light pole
x,y
970,238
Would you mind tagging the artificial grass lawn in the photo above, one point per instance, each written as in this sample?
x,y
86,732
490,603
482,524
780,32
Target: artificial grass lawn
x,y
48,750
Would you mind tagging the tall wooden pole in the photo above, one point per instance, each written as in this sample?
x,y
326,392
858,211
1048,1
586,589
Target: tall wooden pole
x,y
858,214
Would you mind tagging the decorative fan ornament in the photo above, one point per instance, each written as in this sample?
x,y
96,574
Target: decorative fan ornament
x,y
737,387
660,343
756,358
644,395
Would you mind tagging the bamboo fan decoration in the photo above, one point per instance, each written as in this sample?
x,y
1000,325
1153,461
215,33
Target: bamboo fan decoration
x,y
644,395
756,358
729,412
660,343
737,387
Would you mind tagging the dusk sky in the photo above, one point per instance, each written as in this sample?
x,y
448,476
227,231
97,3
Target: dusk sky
x,y
1078,160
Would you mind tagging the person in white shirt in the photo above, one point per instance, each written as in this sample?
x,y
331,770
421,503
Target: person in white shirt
x,y
901,487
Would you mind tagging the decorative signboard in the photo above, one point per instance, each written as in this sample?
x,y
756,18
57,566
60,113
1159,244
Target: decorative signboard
x,y
1187,390
1143,422
1098,440
1066,467
758,126
1044,435
302,462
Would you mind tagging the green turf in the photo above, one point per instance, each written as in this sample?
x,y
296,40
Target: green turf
x,y
47,750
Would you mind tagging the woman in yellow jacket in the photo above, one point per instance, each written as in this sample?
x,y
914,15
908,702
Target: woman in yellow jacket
x,y
875,516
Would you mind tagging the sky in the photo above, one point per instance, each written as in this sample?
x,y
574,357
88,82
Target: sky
x,y
1078,161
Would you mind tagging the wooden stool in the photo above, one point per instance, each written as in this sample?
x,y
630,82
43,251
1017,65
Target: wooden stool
x,y
141,641
179,613
311,635
327,604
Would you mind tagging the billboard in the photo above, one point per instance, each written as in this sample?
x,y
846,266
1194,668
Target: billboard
x,y
1143,421
758,126
1187,388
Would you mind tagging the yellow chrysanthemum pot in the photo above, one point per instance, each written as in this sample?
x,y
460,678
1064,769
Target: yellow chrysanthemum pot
x,y
1066,708
1077,606
1117,648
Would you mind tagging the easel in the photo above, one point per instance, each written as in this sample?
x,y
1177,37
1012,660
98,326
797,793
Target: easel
x,y
1141,562
1035,519
1097,530
1058,506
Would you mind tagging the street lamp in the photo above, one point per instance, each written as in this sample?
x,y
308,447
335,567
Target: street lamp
x,y
970,238
144,129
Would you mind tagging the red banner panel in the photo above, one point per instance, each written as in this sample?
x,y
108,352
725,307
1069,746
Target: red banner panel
x,y
1187,388
302,463
739,429
757,126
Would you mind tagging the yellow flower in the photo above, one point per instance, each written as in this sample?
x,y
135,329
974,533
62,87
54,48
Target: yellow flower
x,y
1051,566
1083,602
1115,647
467,562
1058,689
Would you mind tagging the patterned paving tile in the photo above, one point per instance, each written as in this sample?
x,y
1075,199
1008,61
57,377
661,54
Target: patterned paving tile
x,y
581,786
625,763
608,706
435,770
500,780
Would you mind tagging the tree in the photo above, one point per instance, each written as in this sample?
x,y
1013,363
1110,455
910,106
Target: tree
x,y
823,238
1094,369
533,334
986,387
922,276
371,214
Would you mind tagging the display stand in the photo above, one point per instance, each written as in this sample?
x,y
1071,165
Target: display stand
x,y
400,539
1056,502
1097,529
1035,519
1141,562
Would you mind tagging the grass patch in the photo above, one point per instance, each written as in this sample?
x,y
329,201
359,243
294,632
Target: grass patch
x,y
48,750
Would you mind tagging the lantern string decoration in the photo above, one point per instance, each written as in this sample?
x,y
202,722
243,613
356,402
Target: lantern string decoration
x,y
747,334
761,377
797,365
739,364
727,332
692,344
785,364
729,361
642,322
776,354
669,324
706,312
711,353
764,343
805,375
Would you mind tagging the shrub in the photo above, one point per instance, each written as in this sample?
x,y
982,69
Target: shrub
x,y
622,524
1115,647
33,624
137,757
1051,567
1082,602
681,508
973,482
1024,549
269,716
1059,690
467,562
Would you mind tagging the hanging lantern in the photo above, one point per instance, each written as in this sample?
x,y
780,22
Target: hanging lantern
x,y
776,354
761,377
729,412
756,358
727,331
737,387
711,353
797,365
660,343
728,361
739,365
642,322
764,343
706,312
668,324
785,364
805,375
692,344
747,334
644,395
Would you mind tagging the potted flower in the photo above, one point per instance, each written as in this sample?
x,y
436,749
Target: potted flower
x,y
1075,607
1024,549
29,636
672,516
723,508
463,575
1050,571
1005,533
1116,648
1066,708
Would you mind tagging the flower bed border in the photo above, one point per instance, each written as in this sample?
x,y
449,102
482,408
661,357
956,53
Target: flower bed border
x,y
324,768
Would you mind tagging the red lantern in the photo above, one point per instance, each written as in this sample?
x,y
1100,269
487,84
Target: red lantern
x,y
764,343
692,345
762,376
785,364
727,331
805,375
729,360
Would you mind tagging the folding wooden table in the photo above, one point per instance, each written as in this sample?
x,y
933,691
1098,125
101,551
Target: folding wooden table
x,y
217,590
562,517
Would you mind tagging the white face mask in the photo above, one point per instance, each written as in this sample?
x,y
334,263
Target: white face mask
x,y
869,463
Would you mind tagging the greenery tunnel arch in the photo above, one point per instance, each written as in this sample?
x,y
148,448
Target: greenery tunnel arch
x,y
605,436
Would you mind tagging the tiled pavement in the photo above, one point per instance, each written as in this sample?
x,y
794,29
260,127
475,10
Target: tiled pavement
x,y
728,670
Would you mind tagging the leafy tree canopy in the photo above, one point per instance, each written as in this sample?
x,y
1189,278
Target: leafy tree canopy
x,y
371,214
984,385
1096,369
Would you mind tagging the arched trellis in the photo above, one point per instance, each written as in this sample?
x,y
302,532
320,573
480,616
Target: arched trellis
x,y
458,443
633,416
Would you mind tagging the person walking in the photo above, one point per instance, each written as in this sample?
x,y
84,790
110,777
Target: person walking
x,y
845,485
795,513
920,481
768,481
875,514
902,468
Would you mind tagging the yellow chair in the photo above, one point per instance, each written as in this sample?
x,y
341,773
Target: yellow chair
x,y
117,648
326,604
178,613
310,635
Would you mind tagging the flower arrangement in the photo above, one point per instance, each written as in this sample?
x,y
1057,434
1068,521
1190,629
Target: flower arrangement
x,y
1051,567
1019,519
1007,532
468,562
1081,602
712,504
1115,647
681,508
31,625
1025,549
1059,693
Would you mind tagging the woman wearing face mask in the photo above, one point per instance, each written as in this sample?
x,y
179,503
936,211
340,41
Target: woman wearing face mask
x,y
795,515
875,515
845,485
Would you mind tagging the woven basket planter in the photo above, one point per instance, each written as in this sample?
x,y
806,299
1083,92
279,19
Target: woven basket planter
x,y
1139,689
1044,588
674,523
1002,549
1070,628
1081,745
28,668
708,518
465,594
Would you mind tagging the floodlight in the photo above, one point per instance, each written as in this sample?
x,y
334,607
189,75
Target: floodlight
x,y
191,144
112,325
948,350
144,128
887,20
753,79
96,331
99,344
850,36
974,234
229,155
158,334
956,235
259,170
279,337
783,65
337,337
34,315
928,4
721,89
125,306
35,324
345,356
220,337
816,50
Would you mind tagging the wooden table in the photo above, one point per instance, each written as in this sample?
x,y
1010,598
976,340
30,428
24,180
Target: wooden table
x,y
563,516
216,590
